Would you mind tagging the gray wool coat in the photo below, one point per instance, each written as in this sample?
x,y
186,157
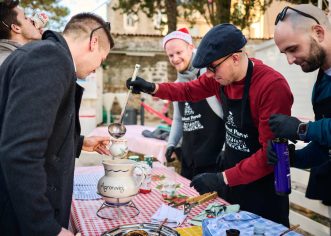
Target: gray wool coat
x,y
39,137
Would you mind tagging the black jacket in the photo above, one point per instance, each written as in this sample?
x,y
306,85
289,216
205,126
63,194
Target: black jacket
x,y
39,137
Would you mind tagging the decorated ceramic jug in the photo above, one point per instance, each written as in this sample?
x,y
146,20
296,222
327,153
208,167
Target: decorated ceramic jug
x,y
119,184
119,148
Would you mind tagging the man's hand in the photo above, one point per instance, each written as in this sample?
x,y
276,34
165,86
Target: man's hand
x,y
209,182
169,152
272,158
284,126
140,85
96,143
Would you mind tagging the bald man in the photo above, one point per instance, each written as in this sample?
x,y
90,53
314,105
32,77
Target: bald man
x,y
303,34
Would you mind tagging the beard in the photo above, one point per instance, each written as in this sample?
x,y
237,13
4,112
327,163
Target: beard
x,y
316,58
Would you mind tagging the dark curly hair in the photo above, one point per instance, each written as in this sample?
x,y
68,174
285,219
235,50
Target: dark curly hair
x,y
8,16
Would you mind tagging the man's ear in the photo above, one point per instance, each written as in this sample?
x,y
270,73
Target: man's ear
x,y
236,58
15,28
318,32
94,43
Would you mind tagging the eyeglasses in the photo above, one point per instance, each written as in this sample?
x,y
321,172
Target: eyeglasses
x,y
282,14
106,26
213,68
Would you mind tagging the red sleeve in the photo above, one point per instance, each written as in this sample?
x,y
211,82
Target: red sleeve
x,y
192,91
270,96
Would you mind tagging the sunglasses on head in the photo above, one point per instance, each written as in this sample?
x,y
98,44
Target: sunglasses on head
x,y
106,26
213,68
282,14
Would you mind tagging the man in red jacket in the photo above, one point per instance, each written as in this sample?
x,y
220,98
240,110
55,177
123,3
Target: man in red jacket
x,y
249,92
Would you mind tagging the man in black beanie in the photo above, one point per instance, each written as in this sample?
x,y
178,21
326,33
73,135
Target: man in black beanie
x,y
249,92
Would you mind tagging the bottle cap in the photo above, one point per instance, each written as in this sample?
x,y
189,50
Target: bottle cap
x,y
232,232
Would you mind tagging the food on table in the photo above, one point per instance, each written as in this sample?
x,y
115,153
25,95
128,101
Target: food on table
x,y
158,177
168,189
178,200
136,233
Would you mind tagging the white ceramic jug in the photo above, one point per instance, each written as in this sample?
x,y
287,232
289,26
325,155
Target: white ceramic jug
x,y
119,148
119,184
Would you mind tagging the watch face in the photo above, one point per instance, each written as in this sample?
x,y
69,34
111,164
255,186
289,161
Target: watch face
x,y
302,128
302,131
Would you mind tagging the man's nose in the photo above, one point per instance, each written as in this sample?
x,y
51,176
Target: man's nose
x,y
290,59
209,74
175,58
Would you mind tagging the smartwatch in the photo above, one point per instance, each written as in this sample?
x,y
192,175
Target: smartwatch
x,y
302,131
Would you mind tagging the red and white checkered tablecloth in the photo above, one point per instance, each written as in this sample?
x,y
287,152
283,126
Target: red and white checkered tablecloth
x,y
83,212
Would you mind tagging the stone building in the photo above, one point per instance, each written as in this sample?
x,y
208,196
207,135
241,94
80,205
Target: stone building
x,y
138,41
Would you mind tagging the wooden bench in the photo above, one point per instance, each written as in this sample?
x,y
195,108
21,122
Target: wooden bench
x,y
299,183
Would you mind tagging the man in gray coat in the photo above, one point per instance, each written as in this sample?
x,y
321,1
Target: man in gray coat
x,y
16,29
39,125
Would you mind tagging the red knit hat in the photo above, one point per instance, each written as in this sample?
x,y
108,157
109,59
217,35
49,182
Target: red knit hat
x,y
182,34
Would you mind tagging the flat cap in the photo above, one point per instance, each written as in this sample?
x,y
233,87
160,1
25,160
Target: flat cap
x,y
219,42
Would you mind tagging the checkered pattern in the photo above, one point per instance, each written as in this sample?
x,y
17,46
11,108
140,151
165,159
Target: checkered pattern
x,y
243,221
85,185
83,212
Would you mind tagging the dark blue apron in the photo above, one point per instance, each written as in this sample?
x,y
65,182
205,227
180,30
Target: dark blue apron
x,y
203,138
320,177
242,140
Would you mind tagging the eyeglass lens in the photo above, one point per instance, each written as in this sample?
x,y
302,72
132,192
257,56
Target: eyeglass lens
x,y
213,68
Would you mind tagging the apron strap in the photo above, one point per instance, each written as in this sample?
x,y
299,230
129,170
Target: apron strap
x,y
245,98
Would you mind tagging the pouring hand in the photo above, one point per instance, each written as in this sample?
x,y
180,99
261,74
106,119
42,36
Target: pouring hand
x,y
96,143
141,85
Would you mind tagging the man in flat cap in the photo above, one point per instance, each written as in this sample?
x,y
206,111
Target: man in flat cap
x,y
249,92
